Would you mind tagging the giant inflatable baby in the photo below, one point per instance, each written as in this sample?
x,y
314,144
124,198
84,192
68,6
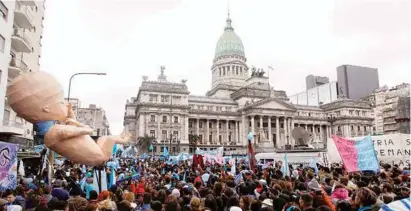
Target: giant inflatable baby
x,y
38,98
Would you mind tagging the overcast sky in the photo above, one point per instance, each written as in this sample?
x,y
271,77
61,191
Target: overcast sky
x,y
129,39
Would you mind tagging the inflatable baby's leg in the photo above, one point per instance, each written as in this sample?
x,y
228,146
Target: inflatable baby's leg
x,y
106,143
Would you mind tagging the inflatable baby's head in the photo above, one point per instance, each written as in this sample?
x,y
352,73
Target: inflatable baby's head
x,y
37,96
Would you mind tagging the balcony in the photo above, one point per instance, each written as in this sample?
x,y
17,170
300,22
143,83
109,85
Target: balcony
x,y
20,42
12,127
29,3
23,16
17,67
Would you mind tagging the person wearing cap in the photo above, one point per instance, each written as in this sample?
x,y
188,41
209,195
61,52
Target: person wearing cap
x,y
59,192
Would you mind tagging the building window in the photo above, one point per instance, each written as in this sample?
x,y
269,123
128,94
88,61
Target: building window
x,y
365,128
2,43
352,127
229,126
176,119
357,113
339,129
3,10
153,133
200,125
210,125
210,108
153,98
98,131
164,98
219,125
190,124
175,135
363,113
152,118
351,112
359,128
338,113
164,134
164,119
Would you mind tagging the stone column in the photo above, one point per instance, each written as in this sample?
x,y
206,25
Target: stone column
x,y
321,133
207,138
372,129
346,129
159,133
243,131
218,131
186,129
227,132
285,130
277,131
292,141
270,138
236,132
252,124
198,127
306,127
261,129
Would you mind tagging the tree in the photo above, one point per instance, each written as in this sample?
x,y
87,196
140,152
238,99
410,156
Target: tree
x,y
193,139
143,143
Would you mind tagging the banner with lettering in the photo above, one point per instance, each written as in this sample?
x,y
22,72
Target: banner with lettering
x,y
219,151
391,149
357,155
8,166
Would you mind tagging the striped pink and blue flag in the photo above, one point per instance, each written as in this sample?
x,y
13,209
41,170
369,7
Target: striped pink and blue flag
x,y
357,155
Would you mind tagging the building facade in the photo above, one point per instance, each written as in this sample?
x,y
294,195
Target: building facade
x,y
240,101
317,96
312,81
356,82
95,117
386,107
21,28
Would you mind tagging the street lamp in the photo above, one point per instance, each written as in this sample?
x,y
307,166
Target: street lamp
x,y
69,89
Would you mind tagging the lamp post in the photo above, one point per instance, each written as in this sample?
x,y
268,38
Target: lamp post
x,y
71,78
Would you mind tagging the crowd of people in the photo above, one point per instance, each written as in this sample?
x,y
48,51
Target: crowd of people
x,y
180,187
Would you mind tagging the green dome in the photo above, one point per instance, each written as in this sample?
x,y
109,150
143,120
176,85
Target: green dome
x,y
229,43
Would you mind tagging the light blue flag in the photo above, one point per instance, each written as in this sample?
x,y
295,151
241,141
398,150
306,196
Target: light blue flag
x,y
184,176
313,165
165,153
233,168
367,158
285,168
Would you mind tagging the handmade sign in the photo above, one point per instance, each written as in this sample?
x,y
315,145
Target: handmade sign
x,y
38,98
357,155
391,149
8,166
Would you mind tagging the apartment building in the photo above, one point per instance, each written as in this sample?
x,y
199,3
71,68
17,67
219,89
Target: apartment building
x,y
21,28
94,117
387,107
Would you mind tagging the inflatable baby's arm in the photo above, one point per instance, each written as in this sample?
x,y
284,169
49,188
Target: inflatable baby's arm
x,y
70,112
63,132
76,123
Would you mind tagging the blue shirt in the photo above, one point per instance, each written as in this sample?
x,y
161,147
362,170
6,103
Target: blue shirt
x,y
43,127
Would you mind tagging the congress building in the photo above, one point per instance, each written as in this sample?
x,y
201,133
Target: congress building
x,y
239,101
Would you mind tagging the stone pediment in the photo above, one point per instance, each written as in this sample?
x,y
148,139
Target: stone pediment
x,y
271,103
